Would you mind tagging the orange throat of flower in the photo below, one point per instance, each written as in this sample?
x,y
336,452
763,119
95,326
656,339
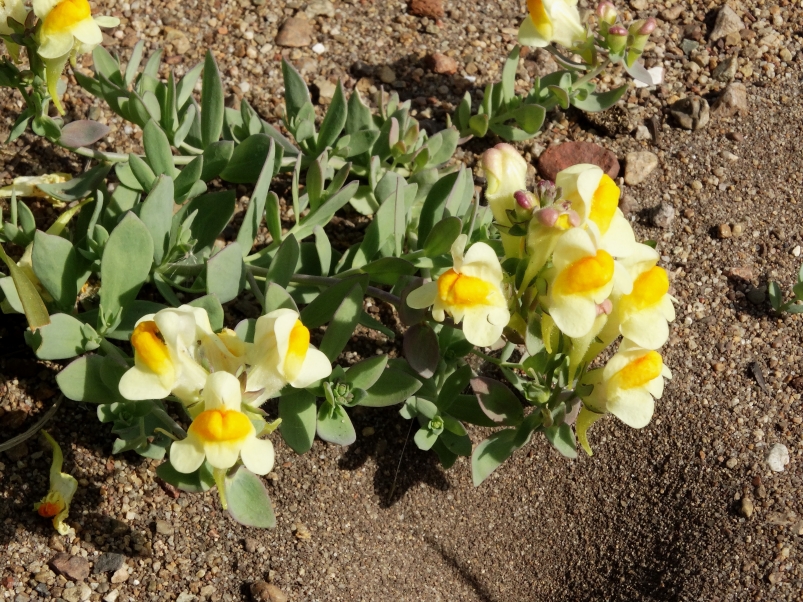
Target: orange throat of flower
x,y
604,203
541,20
49,509
221,425
460,290
586,275
149,345
65,16
297,346
640,371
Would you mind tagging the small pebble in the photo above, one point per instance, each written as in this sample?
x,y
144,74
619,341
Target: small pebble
x,y
777,457
746,508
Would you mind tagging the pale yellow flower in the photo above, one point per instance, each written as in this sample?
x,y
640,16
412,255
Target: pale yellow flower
x,y
222,433
470,292
56,504
506,172
552,21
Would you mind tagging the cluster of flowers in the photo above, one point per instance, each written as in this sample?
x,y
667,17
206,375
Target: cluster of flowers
x,y
67,30
559,21
221,380
584,272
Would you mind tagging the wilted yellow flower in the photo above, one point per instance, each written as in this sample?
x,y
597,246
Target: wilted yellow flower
x,y
552,21
28,186
628,385
222,433
470,292
506,172
581,279
56,504
282,354
68,29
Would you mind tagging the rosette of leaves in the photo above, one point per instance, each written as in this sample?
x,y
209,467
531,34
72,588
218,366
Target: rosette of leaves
x,y
795,305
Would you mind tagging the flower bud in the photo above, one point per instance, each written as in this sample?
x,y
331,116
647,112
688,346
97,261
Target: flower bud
x,y
548,217
607,12
506,172
617,39
648,27
606,307
524,199
574,218
547,193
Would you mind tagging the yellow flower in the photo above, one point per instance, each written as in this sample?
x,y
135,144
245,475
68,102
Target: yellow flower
x,y
56,504
282,354
581,279
68,29
171,348
644,315
628,385
595,197
222,433
470,292
552,21
506,172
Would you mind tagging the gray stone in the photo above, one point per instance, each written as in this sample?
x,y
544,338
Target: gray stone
x,y
642,133
663,216
687,45
777,457
164,528
726,70
727,22
320,8
691,113
672,13
251,545
295,33
638,166
732,100
108,563
387,75
71,594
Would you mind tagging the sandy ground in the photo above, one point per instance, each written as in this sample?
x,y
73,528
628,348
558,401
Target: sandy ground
x,y
654,515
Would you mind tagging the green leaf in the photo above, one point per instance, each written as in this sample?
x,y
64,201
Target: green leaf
x,y
454,385
32,304
132,313
187,83
214,212
64,338
489,454
125,265
212,108
82,381
186,124
425,439
133,63
107,66
284,263
157,149
364,374
334,425
530,117
59,268
216,158
600,101
195,482
562,439
466,408
321,310
421,349
497,401
248,159
392,387
323,248
297,411
509,75
156,213
510,133
248,499
442,236
277,298
256,206
82,132
20,125
273,219
225,273
448,145
388,270
324,213
296,93
776,295
213,309
478,125
186,181
358,117
334,121
343,323
77,188
463,112
142,172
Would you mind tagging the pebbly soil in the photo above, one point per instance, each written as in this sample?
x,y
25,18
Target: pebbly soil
x,y
655,515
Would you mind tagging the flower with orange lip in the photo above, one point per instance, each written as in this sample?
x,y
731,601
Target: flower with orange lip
x,y
282,354
628,385
595,197
222,433
581,278
174,350
552,21
68,29
470,292
643,315
56,504
506,172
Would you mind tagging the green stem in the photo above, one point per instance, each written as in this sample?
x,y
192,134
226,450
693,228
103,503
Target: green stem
x,y
91,153
592,74
494,360
376,293
220,481
112,350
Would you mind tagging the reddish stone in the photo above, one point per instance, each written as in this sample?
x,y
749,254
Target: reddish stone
x,y
557,158
74,568
427,8
440,63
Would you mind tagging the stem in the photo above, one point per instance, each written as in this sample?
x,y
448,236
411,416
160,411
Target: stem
x,y
372,291
220,481
114,157
111,349
494,360
592,74
255,288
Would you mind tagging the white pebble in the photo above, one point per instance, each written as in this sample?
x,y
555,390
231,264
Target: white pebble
x,y
777,457
796,251
245,87
319,48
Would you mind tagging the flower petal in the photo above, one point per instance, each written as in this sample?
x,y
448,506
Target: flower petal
x,y
223,454
529,36
315,367
87,32
187,455
424,296
222,390
635,407
56,45
105,21
258,455
619,240
574,315
139,383
647,328
478,330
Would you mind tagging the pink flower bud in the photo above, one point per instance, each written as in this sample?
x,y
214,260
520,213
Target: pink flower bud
x,y
574,218
606,307
617,30
607,12
523,199
617,39
648,27
548,217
